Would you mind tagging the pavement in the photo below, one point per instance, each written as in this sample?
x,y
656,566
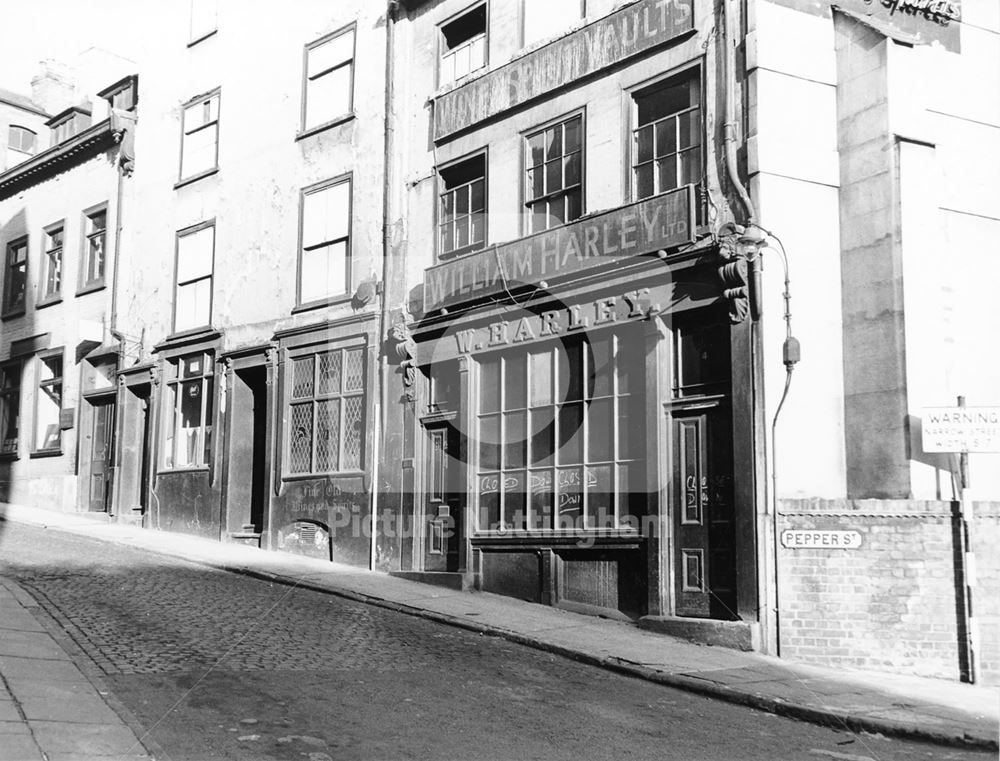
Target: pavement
x,y
47,702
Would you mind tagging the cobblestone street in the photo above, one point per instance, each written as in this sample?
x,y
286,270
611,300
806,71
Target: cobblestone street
x,y
215,665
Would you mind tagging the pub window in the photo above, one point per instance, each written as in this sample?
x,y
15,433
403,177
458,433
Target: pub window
x,y
547,19
52,262
204,19
329,79
48,402
463,45
193,295
15,277
21,143
462,212
553,185
10,406
96,226
325,253
701,360
666,142
200,138
561,435
188,411
326,412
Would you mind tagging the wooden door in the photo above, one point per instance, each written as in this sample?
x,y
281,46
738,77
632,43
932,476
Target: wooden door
x,y
705,562
442,514
102,431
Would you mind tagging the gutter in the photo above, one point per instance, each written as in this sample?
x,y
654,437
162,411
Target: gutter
x,y
33,170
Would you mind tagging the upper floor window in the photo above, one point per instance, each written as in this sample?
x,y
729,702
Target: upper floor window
x,y
329,79
195,261
53,262
48,403
10,406
463,45
188,411
666,142
326,412
21,143
122,95
325,256
200,142
96,224
553,186
204,19
548,18
462,213
68,123
15,277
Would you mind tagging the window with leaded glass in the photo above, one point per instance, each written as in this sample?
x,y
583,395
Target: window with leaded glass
x,y
553,187
462,213
326,412
666,143
15,277
96,226
561,435
10,406
188,410
48,402
53,262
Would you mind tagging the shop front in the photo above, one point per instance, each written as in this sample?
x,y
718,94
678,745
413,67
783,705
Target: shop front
x,y
575,420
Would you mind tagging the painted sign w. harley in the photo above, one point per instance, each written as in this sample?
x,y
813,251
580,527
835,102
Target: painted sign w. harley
x,y
661,222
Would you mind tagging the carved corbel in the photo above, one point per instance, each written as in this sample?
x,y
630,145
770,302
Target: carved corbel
x,y
402,350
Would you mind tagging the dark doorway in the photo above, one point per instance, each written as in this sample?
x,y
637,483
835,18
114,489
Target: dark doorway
x,y
99,457
247,496
443,531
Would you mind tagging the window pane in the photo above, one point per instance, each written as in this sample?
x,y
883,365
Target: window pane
x,y
194,254
489,501
447,206
189,437
515,382
193,307
569,383
574,205
353,433
515,436
689,125
543,436
328,96
354,370
478,234
329,373
644,181
667,170
553,176
95,258
514,502
691,166
542,494
571,434
630,365
540,373
302,377
572,133
570,497
331,53
572,169
631,489
489,443
326,215
600,497
553,142
489,385
324,271
631,417
536,149
199,151
300,438
477,196
602,369
327,435
600,431
643,144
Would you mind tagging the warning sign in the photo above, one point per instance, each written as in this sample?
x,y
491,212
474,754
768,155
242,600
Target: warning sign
x,y
961,429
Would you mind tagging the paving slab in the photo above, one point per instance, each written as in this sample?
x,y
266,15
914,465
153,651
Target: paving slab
x,y
39,669
31,645
83,740
19,748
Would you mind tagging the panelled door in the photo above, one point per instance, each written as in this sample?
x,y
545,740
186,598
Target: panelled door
x,y
99,463
442,519
705,567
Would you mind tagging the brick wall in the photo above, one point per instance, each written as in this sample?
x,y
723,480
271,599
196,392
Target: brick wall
x,y
892,603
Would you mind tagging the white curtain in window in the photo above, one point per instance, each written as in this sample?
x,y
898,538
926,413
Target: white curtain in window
x,y
326,215
546,18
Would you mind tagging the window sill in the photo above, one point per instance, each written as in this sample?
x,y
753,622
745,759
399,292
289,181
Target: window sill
x,y
97,285
196,177
318,476
39,453
8,456
309,132
12,315
320,303
181,471
49,301
184,335
205,36
452,255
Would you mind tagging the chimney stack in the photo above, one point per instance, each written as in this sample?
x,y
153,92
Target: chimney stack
x,y
52,88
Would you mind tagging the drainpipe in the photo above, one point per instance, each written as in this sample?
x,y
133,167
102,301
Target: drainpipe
x,y
382,409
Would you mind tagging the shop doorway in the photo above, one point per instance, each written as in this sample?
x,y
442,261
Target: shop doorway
x,y
100,454
247,452
704,539
443,522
